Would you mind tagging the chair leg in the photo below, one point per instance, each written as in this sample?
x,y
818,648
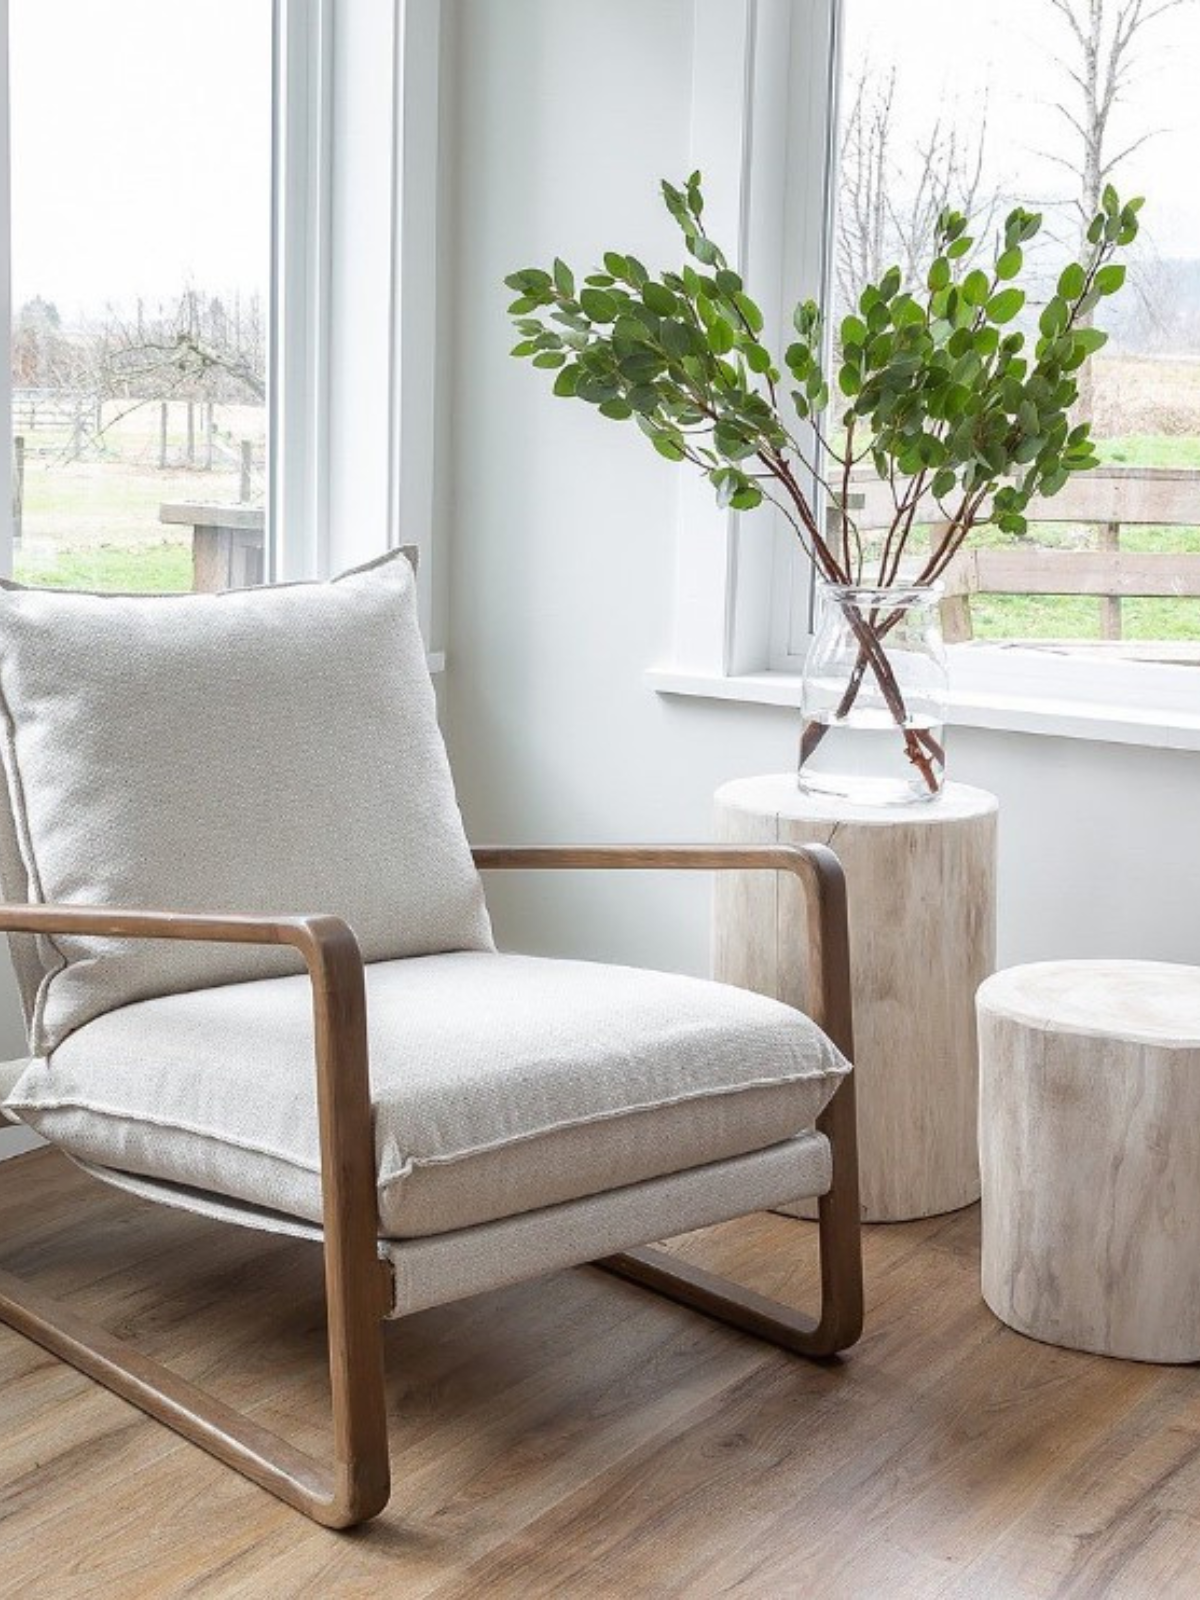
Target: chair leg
x,y
354,1488
838,1229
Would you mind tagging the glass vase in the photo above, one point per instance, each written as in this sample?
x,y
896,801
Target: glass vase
x,y
874,696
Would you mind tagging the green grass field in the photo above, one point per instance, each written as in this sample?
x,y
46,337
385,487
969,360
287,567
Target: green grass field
x,y
95,524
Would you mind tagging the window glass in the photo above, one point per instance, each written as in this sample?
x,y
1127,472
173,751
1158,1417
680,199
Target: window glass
x,y
141,195
1040,103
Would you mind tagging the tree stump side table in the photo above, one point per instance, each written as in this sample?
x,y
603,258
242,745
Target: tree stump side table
x,y
1090,1141
921,888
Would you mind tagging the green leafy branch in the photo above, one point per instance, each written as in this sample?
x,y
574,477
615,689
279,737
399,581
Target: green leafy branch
x,y
936,390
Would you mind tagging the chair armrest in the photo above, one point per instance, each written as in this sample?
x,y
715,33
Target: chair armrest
x,y
306,934
335,969
819,870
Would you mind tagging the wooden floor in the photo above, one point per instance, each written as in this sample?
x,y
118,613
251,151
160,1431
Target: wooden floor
x,y
577,1437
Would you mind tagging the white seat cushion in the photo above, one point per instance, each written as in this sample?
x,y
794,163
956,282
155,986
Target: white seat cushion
x,y
270,751
501,1084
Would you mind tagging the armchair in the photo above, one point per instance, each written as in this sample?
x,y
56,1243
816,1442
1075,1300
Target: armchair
x,y
499,1131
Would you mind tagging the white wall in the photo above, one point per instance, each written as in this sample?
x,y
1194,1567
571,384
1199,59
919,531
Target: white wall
x,y
563,116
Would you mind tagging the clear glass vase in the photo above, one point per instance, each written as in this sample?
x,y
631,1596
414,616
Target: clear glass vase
x,y
874,697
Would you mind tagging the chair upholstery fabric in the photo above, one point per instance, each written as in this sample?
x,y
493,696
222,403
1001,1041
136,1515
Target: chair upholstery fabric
x,y
501,1084
269,750
451,1266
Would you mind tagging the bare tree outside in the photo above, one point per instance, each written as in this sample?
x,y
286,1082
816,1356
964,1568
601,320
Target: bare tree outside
x,y
893,189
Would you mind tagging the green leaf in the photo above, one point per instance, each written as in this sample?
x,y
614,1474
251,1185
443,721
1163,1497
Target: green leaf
x,y
751,313
667,445
731,442
958,248
566,381
660,300
720,337
564,278
616,408
530,280
1009,263
615,264
549,358
1090,339
798,359
1071,281
939,274
1054,317
676,339
975,287
703,249
643,398
1109,279
1004,305
943,483
757,358
598,305
853,331
728,282
746,498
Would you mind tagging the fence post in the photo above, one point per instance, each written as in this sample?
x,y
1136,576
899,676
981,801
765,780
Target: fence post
x,y
191,433
208,436
247,463
162,436
18,508
1110,604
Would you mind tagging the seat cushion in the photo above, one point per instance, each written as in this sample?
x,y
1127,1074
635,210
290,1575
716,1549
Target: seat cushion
x,y
269,750
501,1084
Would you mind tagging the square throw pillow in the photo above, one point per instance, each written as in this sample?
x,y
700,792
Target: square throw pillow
x,y
272,751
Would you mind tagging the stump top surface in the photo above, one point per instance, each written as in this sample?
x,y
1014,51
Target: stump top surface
x,y
778,794
1144,1002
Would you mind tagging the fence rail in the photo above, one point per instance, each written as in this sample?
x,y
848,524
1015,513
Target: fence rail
x,y
1109,498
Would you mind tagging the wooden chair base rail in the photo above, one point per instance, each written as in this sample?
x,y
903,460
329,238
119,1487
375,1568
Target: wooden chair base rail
x,y
340,1496
726,1302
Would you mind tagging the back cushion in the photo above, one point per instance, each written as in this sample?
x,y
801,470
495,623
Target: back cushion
x,y
270,751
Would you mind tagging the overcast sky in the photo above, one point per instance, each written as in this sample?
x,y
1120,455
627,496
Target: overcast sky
x,y
953,56
140,148
141,128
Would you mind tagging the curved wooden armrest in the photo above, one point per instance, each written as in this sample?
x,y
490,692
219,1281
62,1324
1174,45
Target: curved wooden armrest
x,y
357,1284
824,883
816,866
305,933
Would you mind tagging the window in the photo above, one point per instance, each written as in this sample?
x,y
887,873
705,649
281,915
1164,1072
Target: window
x,y
795,109
141,206
1054,99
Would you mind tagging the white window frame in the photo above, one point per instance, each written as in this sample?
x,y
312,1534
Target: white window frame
x,y
764,116
355,123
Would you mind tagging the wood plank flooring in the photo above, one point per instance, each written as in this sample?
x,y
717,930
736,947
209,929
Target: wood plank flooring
x,y
577,1437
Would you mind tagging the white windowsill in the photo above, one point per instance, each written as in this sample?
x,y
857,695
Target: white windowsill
x,y
1064,718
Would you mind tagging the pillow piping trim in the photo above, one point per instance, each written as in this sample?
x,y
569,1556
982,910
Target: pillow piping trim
x,y
409,1163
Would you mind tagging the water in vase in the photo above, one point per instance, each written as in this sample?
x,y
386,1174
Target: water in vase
x,y
867,759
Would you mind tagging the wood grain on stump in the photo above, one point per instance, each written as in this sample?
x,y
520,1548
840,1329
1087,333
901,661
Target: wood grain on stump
x,y
921,886
1090,1143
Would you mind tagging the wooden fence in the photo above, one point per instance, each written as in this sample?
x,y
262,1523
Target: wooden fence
x,y
1109,499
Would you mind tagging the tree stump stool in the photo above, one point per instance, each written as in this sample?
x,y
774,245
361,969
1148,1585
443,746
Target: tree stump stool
x,y
921,884
1090,1149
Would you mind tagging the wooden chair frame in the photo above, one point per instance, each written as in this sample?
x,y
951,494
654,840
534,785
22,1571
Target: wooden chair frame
x,y
358,1285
